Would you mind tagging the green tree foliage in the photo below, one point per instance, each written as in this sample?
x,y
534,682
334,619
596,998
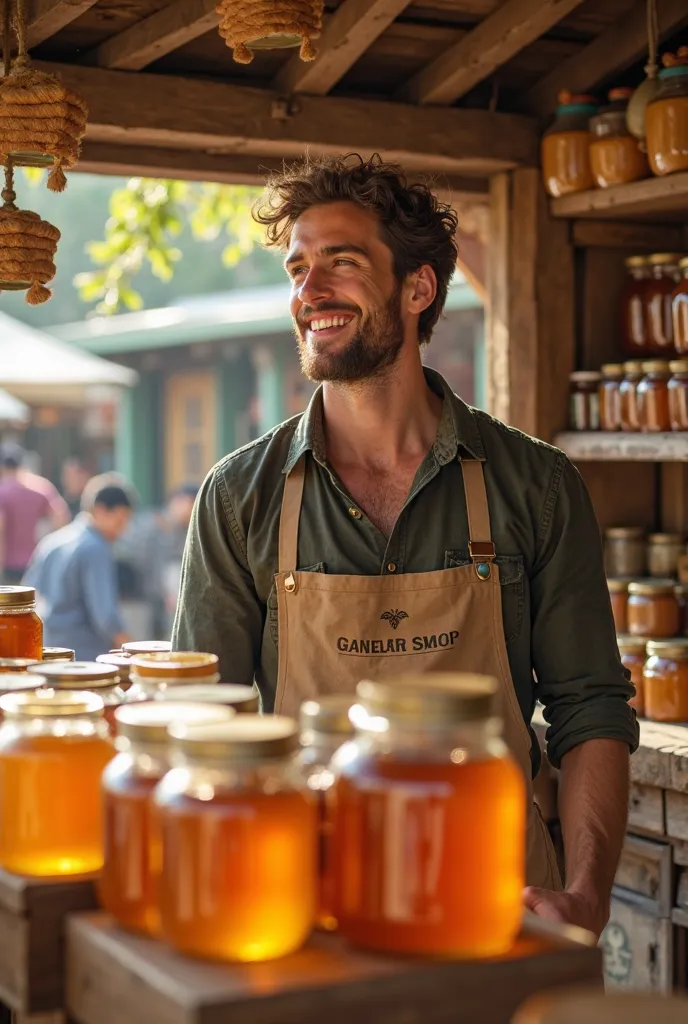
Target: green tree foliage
x,y
147,217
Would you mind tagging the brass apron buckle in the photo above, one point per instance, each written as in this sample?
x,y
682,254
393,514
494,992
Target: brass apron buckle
x,y
482,553
290,583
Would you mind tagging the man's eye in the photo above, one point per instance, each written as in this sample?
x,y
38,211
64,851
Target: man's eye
x,y
297,271
344,261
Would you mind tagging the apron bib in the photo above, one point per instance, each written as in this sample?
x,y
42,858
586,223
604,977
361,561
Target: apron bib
x,y
336,630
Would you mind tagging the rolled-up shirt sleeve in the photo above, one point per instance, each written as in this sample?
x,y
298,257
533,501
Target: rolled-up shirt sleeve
x,y
580,679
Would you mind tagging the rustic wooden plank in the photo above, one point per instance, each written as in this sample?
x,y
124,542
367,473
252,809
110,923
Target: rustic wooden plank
x,y
614,50
679,916
645,869
651,197
471,262
597,446
653,762
497,385
680,849
677,814
639,238
646,809
621,492
674,496
682,889
39,1018
148,40
115,977
47,17
347,35
513,25
197,114
638,948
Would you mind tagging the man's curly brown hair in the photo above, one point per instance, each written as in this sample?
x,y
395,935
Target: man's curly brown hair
x,y
415,225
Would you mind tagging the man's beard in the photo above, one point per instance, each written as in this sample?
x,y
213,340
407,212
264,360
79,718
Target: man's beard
x,y
374,347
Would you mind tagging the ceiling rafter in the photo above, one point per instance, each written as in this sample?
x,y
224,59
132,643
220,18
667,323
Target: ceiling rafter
x,y
154,37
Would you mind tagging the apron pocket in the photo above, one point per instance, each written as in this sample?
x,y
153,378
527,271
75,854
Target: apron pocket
x,y
272,600
511,580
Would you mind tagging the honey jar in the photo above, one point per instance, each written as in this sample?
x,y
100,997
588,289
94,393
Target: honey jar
x,y
628,390
242,699
653,609
429,820
122,663
679,309
659,295
58,654
678,394
665,680
666,117
239,838
618,594
135,647
653,397
633,313
625,551
53,749
615,156
18,682
21,630
584,400
14,665
633,657
609,392
152,674
85,675
128,884
325,726
681,592
663,553
565,148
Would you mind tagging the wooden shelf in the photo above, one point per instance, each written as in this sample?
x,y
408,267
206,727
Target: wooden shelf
x,y
600,447
656,198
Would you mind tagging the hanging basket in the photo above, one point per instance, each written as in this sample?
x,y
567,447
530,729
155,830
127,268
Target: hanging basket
x,y
42,123
27,249
248,25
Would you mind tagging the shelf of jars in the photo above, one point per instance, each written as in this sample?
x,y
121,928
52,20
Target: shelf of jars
x,y
650,197
602,446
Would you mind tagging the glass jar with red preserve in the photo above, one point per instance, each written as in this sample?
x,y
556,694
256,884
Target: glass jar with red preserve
x,y
678,394
653,397
609,392
659,295
628,393
634,340
679,309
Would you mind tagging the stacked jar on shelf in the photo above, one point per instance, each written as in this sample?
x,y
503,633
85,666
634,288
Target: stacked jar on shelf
x,y
650,609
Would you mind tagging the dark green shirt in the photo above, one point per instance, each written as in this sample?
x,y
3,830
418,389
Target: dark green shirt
x,y
557,615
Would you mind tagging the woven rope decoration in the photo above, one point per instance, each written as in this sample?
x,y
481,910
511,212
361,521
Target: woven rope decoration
x,y
42,123
270,23
27,248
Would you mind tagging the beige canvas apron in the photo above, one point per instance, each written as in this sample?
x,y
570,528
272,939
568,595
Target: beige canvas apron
x,y
336,630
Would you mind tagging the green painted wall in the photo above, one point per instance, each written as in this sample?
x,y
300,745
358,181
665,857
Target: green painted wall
x,y
138,441
270,366
235,384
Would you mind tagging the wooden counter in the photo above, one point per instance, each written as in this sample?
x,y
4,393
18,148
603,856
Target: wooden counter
x,y
113,977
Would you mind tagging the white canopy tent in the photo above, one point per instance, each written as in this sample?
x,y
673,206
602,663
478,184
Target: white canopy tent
x,y
12,410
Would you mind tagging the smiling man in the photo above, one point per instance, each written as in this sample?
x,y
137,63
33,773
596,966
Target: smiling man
x,y
392,528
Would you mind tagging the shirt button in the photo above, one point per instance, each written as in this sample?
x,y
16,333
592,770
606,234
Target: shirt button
x,y
391,567
355,513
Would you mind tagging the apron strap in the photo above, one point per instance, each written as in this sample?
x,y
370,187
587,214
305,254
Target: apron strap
x,y
289,517
480,544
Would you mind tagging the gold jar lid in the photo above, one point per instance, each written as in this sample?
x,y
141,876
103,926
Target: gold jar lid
x,y
585,376
434,699
631,644
17,597
625,532
636,261
633,367
121,662
674,648
658,259
665,538
656,366
679,365
328,714
11,682
243,699
58,654
51,703
612,369
683,263
174,665
76,675
149,721
145,647
16,664
617,585
651,588
245,739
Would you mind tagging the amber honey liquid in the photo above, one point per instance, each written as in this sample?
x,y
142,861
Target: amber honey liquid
x,y
239,874
21,635
430,858
51,820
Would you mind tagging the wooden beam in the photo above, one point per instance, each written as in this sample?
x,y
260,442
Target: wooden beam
x,y
614,50
513,25
347,35
198,114
47,17
655,198
161,33
604,234
471,262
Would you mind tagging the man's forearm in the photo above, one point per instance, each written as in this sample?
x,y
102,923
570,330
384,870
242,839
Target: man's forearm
x,y
593,808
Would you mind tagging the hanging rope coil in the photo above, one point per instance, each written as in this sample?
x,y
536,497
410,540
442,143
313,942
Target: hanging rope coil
x,y
27,247
243,22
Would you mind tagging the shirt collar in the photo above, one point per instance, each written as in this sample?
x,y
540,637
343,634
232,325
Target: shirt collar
x,y
457,432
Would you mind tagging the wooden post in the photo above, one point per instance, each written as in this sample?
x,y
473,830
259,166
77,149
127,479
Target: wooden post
x,y
530,343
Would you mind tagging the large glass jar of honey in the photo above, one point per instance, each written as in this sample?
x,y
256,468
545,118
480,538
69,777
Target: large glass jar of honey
x,y
653,610
242,699
666,117
633,312
85,675
610,396
633,657
615,156
653,397
565,148
628,390
429,820
679,309
128,884
239,840
21,630
659,294
152,674
53,748
665,680
325,726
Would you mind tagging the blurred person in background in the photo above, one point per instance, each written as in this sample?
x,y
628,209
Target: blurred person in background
x,y
74,477
30,506
73,571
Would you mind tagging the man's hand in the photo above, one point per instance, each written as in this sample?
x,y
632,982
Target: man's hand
x,y
567,908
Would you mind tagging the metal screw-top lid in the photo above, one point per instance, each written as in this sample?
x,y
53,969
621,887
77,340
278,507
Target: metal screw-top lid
x,y
676,647
246,739
58,654
432,699
631,644
327,714
16,664
50,703
122,663
11,682
75,675
149,722
146,647
17,597
168,666
244,699
651,588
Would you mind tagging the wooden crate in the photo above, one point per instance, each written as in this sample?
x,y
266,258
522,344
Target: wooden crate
x,y
32,914
638,944
113,977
